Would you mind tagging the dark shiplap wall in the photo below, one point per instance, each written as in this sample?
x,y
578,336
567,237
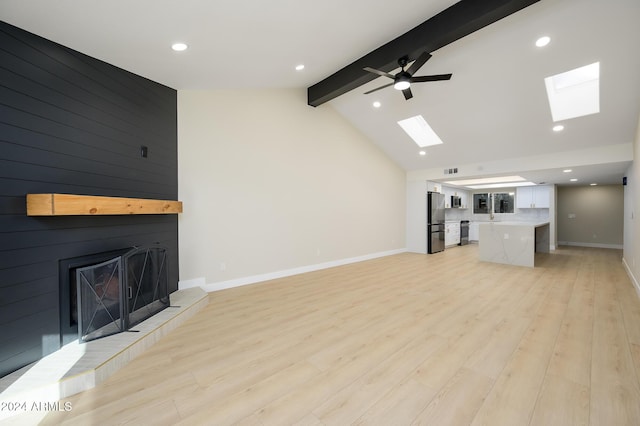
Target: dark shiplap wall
x,y
72,124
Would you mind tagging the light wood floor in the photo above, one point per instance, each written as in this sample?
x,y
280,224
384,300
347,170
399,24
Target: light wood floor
x,y
406,339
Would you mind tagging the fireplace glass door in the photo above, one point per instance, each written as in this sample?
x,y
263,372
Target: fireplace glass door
x,y
100,309
147,279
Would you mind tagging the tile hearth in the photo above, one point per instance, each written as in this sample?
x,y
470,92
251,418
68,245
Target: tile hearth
x,y
77,367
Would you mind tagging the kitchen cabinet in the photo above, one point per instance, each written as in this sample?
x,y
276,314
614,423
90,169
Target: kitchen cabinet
x,y
451,233
449,192
474,231
533,197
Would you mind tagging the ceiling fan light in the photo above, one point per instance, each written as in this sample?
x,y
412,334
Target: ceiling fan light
x,y
401,85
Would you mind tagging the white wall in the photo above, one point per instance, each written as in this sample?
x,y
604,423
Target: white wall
x,y
417,216
270,185
631,244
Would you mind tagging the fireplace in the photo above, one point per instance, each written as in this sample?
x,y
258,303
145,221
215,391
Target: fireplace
x,y
110,292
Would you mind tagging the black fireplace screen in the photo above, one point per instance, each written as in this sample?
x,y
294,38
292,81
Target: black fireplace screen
x,y
147,283
119,293
99,299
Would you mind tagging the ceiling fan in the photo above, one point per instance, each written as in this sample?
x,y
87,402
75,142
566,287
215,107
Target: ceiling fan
x,y
403,79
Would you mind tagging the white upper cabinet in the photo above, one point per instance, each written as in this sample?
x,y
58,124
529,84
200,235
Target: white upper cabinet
x,y
542,197
449,192
533,197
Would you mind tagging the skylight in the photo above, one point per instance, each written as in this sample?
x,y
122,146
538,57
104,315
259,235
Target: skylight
x,y
420,131
574,93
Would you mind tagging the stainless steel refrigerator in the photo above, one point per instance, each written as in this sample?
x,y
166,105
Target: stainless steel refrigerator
x,y
435,222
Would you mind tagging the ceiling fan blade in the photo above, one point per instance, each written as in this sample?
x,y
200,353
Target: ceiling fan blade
x,y
420,61
424,78
381,73
381,87
407,93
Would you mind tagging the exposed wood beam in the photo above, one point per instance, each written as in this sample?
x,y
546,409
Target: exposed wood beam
x,y
459,20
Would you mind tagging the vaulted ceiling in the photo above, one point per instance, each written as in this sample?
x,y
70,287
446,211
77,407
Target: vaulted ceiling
x,y
492,115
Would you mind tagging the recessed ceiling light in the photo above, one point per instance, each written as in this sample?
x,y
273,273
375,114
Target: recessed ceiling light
x,y
377,104
567,171
574,180
423,153
558,128
593,184
574,93
420,131
299,67
543,41
179,47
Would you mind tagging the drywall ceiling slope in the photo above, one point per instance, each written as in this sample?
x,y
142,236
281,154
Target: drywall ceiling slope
x,y
495,106
453,23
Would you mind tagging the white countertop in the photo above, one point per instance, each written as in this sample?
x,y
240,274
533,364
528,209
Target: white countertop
x,y
514,223
512,242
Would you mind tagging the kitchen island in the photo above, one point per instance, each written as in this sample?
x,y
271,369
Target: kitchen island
x,y
513,243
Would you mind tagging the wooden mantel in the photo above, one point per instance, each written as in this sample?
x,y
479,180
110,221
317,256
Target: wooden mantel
x,y
78,205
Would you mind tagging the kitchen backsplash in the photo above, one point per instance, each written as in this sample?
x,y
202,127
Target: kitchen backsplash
x,y
521,215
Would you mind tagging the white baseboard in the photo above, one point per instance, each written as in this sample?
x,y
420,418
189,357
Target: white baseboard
x,y
222,285
196,282
631,276
594,245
